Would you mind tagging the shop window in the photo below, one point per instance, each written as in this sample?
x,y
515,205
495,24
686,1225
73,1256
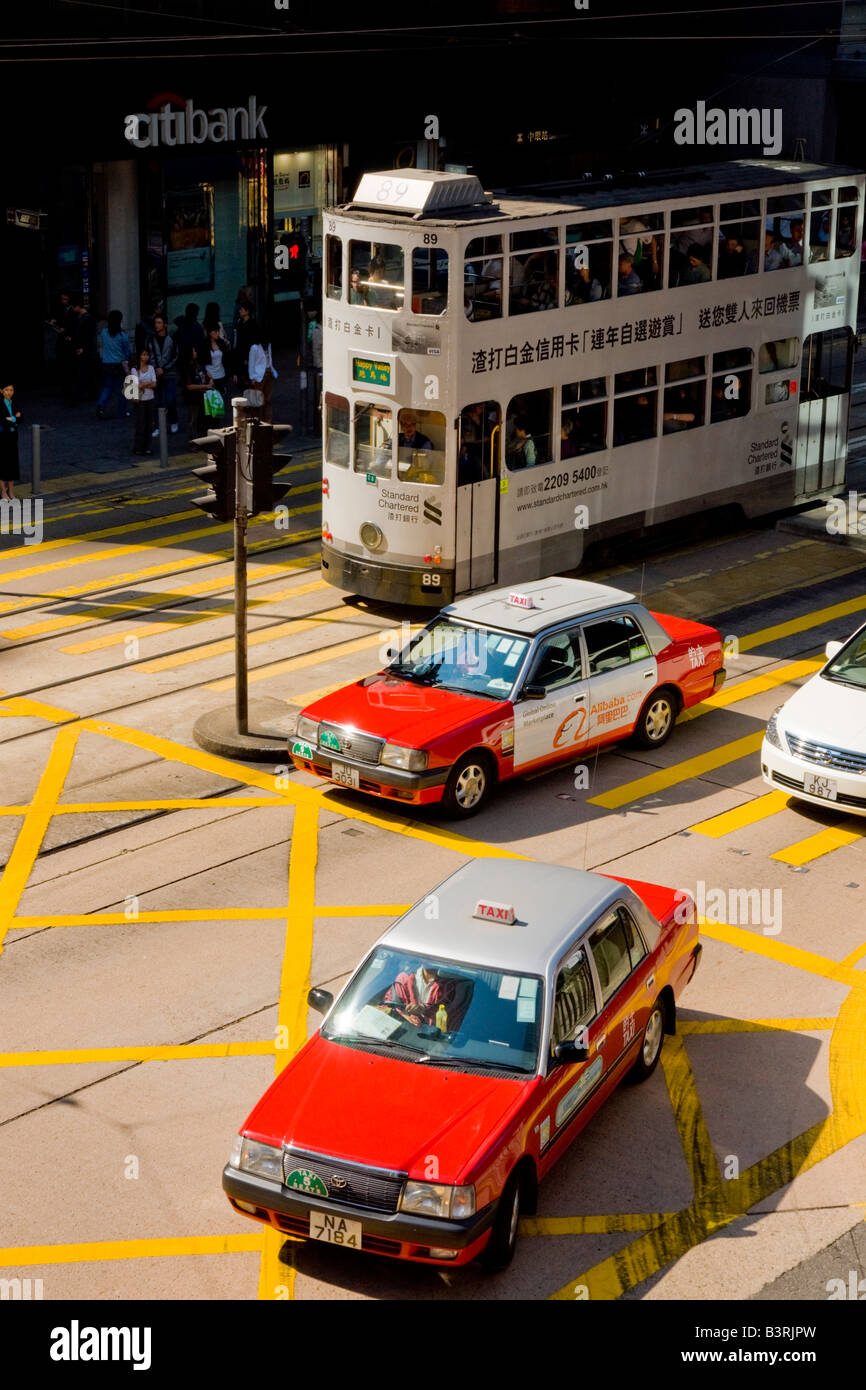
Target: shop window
x,y
693,235
429,280
731,386
827,364
334,261
636,406
374,439
640,254
739,238
527,429
421,447
846,223
482,279
779,355
533,271
478,444
379,282
336,430
583,421
588,260
684,400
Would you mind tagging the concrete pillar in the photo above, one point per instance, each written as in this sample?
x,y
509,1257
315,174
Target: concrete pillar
x,y
122,279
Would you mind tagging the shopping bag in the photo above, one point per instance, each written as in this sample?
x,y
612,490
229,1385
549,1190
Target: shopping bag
x,y
213,405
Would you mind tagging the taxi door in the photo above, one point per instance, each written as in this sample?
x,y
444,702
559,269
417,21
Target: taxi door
x,y
627,984
548,729
622,671
570,1085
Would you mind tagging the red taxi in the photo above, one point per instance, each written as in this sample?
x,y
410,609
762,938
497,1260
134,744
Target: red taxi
x,y
461,1059
507,683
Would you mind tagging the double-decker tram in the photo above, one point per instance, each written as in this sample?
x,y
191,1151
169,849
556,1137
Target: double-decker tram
x,y
507,379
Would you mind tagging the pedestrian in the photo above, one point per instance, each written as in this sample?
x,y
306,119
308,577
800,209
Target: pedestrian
x,y
212,320
144,385
190,333
10,422
217,357
162,350
114,351
63,324
83,354
262,376
243,296
197,380
246,333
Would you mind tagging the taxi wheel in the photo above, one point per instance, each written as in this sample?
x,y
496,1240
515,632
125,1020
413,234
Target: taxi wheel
x,y
497,1253
651,1044
656,720
468,787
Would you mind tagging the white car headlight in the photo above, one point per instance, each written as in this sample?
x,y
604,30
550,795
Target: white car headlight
x,y
307,729
262,1160
409,759
773,734
437,1199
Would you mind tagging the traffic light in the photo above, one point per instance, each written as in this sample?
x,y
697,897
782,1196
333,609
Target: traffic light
x,y
219,474
265,463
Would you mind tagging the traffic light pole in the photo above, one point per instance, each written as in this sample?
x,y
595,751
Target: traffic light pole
x,y
243,498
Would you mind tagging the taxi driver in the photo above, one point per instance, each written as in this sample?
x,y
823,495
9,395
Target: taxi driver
x,y
418,995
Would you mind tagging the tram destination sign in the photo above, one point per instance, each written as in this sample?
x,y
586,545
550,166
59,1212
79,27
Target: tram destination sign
x,y
371,369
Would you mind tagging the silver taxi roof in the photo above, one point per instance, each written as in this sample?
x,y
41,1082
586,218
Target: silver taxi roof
x,y
554,600
551,904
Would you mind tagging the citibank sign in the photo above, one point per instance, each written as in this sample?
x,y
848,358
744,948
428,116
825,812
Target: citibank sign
x,y
189,125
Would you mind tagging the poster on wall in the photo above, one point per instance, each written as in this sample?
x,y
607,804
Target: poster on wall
x,y
190,237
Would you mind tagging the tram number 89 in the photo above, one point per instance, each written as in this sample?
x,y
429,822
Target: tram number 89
x,y
431,581
579,475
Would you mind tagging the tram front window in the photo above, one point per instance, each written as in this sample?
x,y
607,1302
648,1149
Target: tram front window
x,y
479,435
376,275
374,440
421,447
429,280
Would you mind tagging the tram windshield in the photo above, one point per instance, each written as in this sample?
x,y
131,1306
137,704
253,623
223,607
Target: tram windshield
x,y
462,657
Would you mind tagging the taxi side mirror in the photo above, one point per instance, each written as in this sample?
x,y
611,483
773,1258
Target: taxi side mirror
x,y
569,1052
533,692
832,649
320,1000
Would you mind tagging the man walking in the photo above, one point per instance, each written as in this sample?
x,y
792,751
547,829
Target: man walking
x,y
83,354
164,358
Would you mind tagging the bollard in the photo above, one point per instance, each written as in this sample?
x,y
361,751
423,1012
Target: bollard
x,y
36,462
163,437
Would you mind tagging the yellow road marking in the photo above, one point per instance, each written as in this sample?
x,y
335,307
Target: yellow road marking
x,y
124,528
182,1052
749,814
855,956
165,1247
299,663
34,826
813,846
680,772
754,1025
262,635
778,951
195,914
96,556
590,1225
744,690
814,619
694,1135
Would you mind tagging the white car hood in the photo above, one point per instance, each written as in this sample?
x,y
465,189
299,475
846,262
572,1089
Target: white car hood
x,y
824,711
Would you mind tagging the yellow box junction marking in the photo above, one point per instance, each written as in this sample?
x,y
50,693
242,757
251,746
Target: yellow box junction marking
x,y
680,772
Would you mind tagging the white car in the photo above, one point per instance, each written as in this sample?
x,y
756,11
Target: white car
x,y
815,744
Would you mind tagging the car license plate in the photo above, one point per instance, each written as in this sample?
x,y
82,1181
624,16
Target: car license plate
x,y
825,787
335,1230
346,776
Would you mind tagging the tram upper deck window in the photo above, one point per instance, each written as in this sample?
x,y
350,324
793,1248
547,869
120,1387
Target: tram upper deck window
x,y
820,228
421,447
482,279
533,271
783,232
429,280
684,400
640,253
583,421
846,222
336,430
588,260
827,364
379,282
334,262
527,429
731,386
693,234
635,408
739,238
374,439
779,355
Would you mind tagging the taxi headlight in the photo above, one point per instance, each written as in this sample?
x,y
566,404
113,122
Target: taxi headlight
x,y
409,759
307,730
773,734
437,1199
262,1160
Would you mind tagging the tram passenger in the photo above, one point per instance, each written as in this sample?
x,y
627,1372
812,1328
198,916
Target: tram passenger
x,y
732,258
629,282
795,245
567,445
379,298
697,272
680,417
521,451
584,288
357,295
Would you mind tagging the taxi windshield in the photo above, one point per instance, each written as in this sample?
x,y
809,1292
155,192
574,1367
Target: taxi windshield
x,y
849,665
458,656
440,1013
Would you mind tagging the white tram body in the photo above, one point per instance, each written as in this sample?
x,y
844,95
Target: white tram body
x,y
502,376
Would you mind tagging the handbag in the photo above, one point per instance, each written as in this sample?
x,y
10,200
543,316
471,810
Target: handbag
x,y
254,398
213,404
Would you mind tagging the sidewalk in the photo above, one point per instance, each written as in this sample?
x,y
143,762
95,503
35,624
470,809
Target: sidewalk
x,y
82,455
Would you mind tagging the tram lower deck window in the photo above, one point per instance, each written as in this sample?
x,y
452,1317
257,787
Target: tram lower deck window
x,y
421,447
828,359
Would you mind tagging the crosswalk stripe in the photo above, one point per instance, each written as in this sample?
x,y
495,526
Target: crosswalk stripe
x,y
63,542
740,816
680,772
744,690
299,663
814,846
814,619
262,635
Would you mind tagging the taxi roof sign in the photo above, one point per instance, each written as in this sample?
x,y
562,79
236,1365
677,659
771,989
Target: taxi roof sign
x,y
521,600
494,912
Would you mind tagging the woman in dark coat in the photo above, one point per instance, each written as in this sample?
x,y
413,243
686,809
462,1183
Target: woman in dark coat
x,y
10,425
